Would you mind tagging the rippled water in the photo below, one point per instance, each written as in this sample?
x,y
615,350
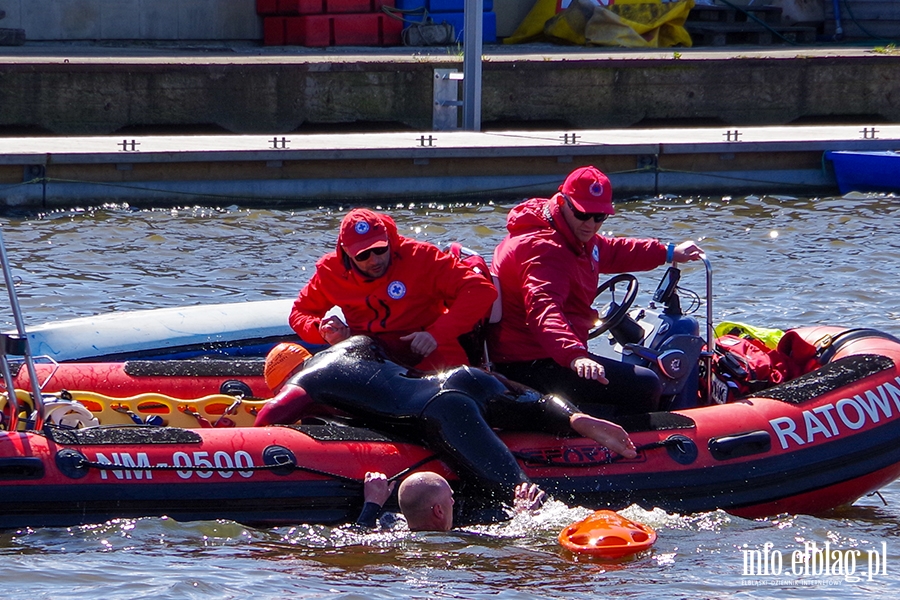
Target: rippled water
x,y
778,261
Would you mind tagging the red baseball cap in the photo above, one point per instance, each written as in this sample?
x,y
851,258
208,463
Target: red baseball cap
x,y
362,229
589,191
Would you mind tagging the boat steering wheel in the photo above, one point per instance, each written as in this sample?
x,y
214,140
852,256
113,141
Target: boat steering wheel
x,y
614,312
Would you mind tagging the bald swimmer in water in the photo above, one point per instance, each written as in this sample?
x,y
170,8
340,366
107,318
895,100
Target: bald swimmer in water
x,y
426,500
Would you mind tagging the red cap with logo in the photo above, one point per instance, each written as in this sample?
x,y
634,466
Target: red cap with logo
x,y
589,191
362,229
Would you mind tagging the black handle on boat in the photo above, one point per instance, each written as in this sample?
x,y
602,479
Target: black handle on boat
x,y
29,363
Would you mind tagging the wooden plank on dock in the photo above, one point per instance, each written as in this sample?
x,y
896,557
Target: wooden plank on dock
x,y
722,33
726,14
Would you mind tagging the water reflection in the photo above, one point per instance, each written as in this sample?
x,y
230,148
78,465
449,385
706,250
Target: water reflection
x,y
777,261
697,556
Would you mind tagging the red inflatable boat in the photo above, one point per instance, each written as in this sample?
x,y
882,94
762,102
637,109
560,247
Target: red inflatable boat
x,y
813,443
823,438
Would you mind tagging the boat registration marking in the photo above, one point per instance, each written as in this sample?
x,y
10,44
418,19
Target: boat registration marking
x,y
193,464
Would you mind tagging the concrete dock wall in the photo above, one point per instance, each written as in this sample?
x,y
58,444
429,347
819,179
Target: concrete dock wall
x,y
281,93
60,20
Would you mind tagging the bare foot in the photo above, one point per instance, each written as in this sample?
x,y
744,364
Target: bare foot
x,y
605,433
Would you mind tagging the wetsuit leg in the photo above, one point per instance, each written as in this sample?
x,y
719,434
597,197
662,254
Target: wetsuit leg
x,y
455,425
532,412
632,389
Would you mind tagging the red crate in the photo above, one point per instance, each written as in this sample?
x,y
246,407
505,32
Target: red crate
x,y
289,7
318,7
367,29
266,7
378,28
274,31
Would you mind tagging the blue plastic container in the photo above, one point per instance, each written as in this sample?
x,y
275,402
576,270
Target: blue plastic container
x,y
457,19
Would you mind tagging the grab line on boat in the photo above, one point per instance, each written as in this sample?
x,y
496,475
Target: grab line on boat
x,y
413,466
83,462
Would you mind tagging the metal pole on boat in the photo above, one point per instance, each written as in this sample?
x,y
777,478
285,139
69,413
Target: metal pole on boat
x,y
710,328
23,337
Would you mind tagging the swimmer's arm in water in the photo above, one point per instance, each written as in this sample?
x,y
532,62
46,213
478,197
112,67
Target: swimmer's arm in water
x,y
376,490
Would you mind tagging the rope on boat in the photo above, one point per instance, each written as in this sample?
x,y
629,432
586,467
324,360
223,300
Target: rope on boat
x,y
878,493
281,465
84,462
413,466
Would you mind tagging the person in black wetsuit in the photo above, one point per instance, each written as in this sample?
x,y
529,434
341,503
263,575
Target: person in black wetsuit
x,y
452,412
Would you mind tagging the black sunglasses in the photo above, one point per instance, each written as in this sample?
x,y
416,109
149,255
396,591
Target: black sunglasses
x,y
365,254
583,216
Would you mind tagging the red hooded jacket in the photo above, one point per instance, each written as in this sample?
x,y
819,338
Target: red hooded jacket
x,y
548,280
424,289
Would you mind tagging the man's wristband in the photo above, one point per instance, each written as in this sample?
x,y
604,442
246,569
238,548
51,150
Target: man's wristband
x,y
670,253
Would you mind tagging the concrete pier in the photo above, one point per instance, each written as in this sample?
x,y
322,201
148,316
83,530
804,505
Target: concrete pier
x,y
71,89
247,122
256,170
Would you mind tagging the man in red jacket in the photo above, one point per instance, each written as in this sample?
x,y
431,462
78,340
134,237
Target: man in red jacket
x,y
409,295
549,268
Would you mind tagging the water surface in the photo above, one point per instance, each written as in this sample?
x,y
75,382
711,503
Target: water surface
x,y
777,261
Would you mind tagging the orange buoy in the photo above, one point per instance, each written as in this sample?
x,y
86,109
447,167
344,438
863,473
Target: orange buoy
x,y
607,534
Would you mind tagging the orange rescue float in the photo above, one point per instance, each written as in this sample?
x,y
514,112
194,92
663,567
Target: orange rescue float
x,y
607,534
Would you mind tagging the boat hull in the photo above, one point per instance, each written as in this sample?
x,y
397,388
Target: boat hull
x,y
866,171
237,329
810,445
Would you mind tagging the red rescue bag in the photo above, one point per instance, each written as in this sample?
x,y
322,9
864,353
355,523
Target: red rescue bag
x,y
743,366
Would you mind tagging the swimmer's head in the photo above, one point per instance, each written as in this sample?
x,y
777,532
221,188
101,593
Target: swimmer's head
x,y
426,500
282,362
